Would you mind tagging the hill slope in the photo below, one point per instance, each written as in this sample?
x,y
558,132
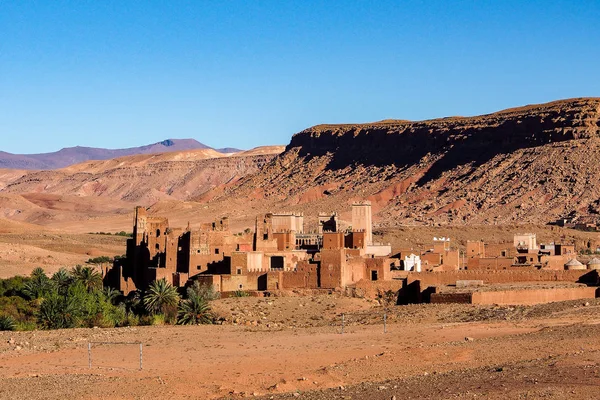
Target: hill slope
x,y
527,164
74,155
142,179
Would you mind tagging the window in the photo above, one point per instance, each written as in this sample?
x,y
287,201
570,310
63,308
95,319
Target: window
x,y
277,262
199,267
240,286
157,232
216,251
373,275
239,271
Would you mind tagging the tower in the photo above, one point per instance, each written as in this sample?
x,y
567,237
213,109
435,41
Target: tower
x,y
361,219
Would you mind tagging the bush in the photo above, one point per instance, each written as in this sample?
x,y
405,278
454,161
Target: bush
x,y
206,292
99,260
58,312
22,311
239,293
7,323
13,286
158,319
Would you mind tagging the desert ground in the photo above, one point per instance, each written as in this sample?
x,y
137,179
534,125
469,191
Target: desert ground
x,y
293,347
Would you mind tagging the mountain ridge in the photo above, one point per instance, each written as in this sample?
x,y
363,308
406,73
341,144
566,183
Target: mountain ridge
x,y
73,155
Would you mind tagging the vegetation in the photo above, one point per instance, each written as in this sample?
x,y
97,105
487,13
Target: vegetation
x,y
100,260
239,293
122,233
76,298
7,323
161,297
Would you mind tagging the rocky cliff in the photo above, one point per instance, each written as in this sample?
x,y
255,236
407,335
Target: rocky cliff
x,y
528,164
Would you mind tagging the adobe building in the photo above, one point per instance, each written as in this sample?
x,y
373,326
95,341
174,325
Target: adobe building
x,y
441,257
524,253
277,255
362,219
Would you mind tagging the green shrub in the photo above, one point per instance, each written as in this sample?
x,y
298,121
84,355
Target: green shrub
x,y
206,292
58,312
7,323
158,319
13,286
239,293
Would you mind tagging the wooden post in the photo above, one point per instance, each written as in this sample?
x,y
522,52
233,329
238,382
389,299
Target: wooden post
x,y
384,322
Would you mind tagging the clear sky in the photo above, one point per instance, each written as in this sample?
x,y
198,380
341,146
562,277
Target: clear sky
x,y
248,73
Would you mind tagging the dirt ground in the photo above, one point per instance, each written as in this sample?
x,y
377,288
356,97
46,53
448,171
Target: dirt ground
x,y
20,253
293,347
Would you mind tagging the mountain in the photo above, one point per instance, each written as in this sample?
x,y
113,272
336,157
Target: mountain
x,y
527,164
143,178
73,155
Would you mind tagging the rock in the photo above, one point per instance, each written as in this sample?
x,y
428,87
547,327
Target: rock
x,y
11,341
469,339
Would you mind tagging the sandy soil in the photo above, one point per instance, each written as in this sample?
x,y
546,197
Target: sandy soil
x,y
21,252
453,351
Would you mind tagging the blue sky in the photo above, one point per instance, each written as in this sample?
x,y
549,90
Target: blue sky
x,y
248,73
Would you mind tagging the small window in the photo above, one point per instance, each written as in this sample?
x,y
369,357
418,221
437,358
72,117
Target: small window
x,y
373,275
198,251
240,286
216,251
239,271
157,246
199,267
503,253
157,232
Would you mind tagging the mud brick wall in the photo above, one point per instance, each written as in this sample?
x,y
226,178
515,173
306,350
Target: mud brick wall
x,y
501,276
440,298
531,296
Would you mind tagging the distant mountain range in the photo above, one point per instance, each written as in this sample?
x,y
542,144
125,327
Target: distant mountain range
x,y
73,155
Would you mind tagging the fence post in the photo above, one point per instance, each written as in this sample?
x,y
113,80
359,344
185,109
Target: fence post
x,y
141,358
385,322
89,355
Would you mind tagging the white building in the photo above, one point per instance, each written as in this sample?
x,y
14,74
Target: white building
x,y
412,262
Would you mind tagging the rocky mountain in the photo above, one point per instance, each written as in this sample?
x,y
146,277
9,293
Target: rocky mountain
x,y
531,164
73,155
528,164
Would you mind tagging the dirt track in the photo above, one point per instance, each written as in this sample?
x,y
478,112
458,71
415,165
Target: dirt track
x,y
552,355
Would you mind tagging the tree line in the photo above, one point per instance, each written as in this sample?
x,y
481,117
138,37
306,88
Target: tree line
x,y
76,298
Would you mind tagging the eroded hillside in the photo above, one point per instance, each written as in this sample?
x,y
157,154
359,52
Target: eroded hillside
x,y
528,164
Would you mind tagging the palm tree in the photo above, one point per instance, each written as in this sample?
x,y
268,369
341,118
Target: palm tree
x,y
90,278
39,285
111,294
194,310
62,279
160,296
